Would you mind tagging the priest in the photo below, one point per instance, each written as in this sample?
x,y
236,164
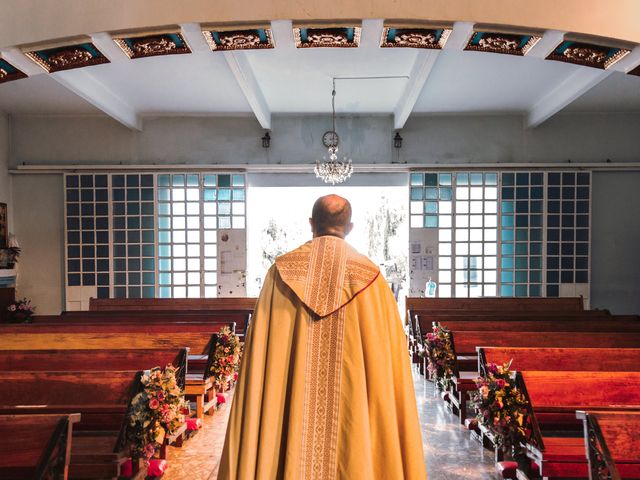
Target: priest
x,y
325,388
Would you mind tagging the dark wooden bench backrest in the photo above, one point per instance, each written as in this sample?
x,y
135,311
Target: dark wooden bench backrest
x,y
582,389
467,341
563,359
197,342
67,388
235,303
619,432
555,323
497,303
106,328
91,360
30,444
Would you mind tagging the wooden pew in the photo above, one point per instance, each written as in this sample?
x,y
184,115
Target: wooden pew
x,y
226,303
557,444
465,343
612,443
201,342
36,446
99,448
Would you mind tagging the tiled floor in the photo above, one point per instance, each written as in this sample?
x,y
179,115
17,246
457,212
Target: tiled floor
x,y
450,452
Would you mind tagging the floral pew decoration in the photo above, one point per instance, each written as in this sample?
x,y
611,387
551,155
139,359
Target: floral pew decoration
x,y
156,412
440,357
502,409
225,363
20,311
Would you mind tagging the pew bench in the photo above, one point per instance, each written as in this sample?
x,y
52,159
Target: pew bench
x,y
102,399
209,304
466,342
36,446
612,443
557,445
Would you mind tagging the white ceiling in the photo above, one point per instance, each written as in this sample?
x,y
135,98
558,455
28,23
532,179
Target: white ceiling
x,y
286,80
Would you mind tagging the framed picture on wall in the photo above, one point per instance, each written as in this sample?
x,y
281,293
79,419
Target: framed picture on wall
x,y
4,229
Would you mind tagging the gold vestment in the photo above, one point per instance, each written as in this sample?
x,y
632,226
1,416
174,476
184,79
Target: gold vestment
x,y
325,388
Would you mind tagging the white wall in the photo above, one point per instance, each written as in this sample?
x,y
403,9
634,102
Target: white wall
x,y
5,179
429,140
39,227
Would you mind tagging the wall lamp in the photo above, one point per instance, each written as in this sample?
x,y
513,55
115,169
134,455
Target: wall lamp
x,y
397,140
266,140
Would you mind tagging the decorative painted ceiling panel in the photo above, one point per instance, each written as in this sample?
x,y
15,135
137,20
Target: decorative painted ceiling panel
x,y
250,39
434,38
586,54
8,72
340,37
507,43
68,57
153,45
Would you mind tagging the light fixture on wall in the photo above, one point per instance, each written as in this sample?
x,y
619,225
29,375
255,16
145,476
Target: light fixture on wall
x,y
397,141
333,170
266,140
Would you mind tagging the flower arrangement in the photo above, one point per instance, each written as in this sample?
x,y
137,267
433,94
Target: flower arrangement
x,y
20,311
440,357
501,407
155,412
226,359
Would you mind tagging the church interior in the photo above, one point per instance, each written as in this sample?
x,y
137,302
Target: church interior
x,y
156,158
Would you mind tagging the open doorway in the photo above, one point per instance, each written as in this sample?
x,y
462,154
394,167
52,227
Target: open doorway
x,y
277,221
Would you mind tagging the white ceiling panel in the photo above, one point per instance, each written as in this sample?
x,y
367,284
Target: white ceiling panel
x,y
299,81
618,92
463,81
196,83
41,94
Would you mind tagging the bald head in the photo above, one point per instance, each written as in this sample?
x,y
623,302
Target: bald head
x,y
331,215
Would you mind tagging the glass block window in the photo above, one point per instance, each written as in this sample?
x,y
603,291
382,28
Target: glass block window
x,y
87,231
191,210
521,234
133,236
568,227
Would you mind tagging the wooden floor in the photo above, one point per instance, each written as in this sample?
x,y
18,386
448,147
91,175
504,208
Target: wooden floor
x,y
450,453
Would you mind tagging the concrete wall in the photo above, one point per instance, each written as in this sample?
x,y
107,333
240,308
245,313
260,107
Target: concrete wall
x,y
39,227
615,258
5,179
440,139
428,140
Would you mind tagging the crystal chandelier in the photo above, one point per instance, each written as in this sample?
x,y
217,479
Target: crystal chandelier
x,y
333,170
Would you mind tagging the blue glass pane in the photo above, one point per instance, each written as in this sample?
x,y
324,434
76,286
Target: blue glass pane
x,y
537,178
73,209
507,235
133,264
522,220
553,207
224,222
431,179
569,192
148,292
522,263
73,223
553,290
567,220
566,277
147,194
506,290
535,276
507,221
534,290
508,179
430,221
164,180
582,235
102,251
535,262
536,193
238,194
88,279
567,235
554,178
521,277
506,277
73,237
491,179
535,221
430,207
164,264
417,179
553,221
103,279
87,209
582,207
431,193
507,248
553,235
553,263
445,193
133,181
73,265
119,250
148,278
522,206
507,193
147,236
224,194
568,206
133,194
522,235
146,180
86,180
522,178
147,222
462,179
178,181
102,209
163,222
88,265
522,192
133,236
73,280
582,221
148,250
582,276
521,249
417,193
72,181
87,237
164,250
553,276
567,263
165,292
444,178
134,292
476,179
568,178
210,180
507,207
133,222
507,262
120,278
164,236
553,249
88,251
224,180
193,180
120,292
102,195
117,181
102,265
103,292
521,290
164,194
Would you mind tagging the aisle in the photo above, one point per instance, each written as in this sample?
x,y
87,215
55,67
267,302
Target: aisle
x,y
450,453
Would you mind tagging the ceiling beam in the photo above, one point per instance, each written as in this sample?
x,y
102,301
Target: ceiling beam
x,y
576,85
86,86
104,42
422,67
18,59
242,71
549,41
192,33
425,60
282,31
371,33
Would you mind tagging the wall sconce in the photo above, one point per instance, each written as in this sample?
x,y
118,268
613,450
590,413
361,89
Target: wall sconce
x,y
397,141
266,140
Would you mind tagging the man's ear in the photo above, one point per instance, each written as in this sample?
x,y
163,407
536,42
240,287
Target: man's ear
x,y
311,223
348,229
